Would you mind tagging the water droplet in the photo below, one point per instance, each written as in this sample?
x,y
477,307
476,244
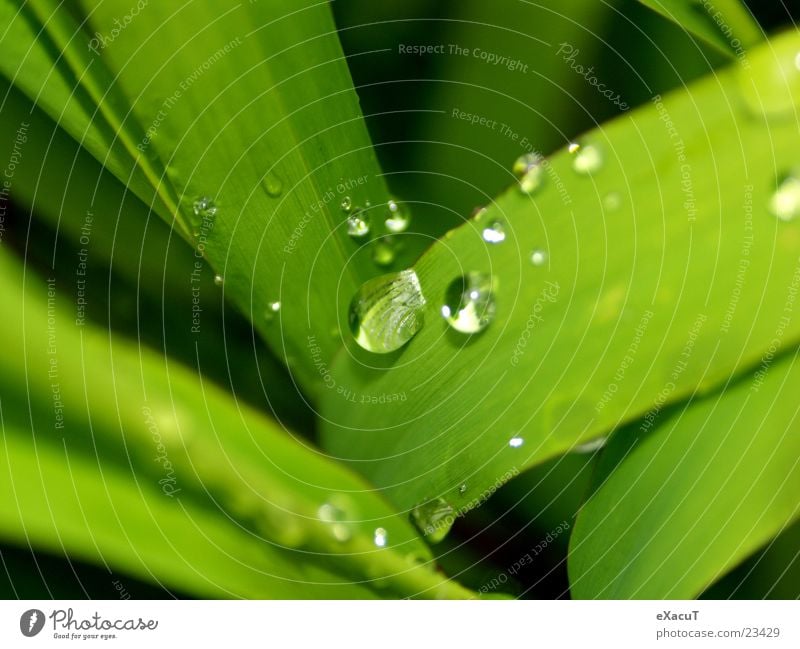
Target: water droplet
x,y
469,303
347,204
204,207
358,224
337,518
495,232
272,310
538,257
612,201
272,184
785,201
381,537
516,442
383,253
529,170
387,312
587,159
591,447
477,213
219,280
398,219
434,519
770,84
573,147
462,489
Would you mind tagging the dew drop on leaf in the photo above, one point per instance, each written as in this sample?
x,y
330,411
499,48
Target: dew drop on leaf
x,y
469,303
612,201
381,537
387,311
346,204
530,172
204,207
272,185
273,308
538,257
358,224
398,219
219,280
516,442
336,517
592,446
494,232
586,159
433,519
785,201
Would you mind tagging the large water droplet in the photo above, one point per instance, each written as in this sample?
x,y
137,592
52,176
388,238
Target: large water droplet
x,y
785,201
387,312
398,219
335,515
494,232
529,170
204,207
272,184
770,84
538,257
358,224
586,159
381,537
434,519
469,303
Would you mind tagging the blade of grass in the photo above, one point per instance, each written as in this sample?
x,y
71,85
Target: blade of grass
x,y
641,300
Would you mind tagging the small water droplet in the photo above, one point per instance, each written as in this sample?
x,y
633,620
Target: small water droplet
x,y
573,147
381,537
469,303
383,253
612,201
495,232
516,442
272,184
477,213
219,280
358,224
387,312
434,519
336,516
273,308
347,204
592,446
538,257
204,207
529,170
398,219
587,159
462,489
785,201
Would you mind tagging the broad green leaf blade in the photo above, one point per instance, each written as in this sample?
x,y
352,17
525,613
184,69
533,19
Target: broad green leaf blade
x,y
712,483
727,25
642,297
80,103
130,411
253,107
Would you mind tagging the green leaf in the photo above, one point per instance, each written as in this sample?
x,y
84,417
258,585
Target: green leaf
x,y
643,299
727,25
713,482
149,424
